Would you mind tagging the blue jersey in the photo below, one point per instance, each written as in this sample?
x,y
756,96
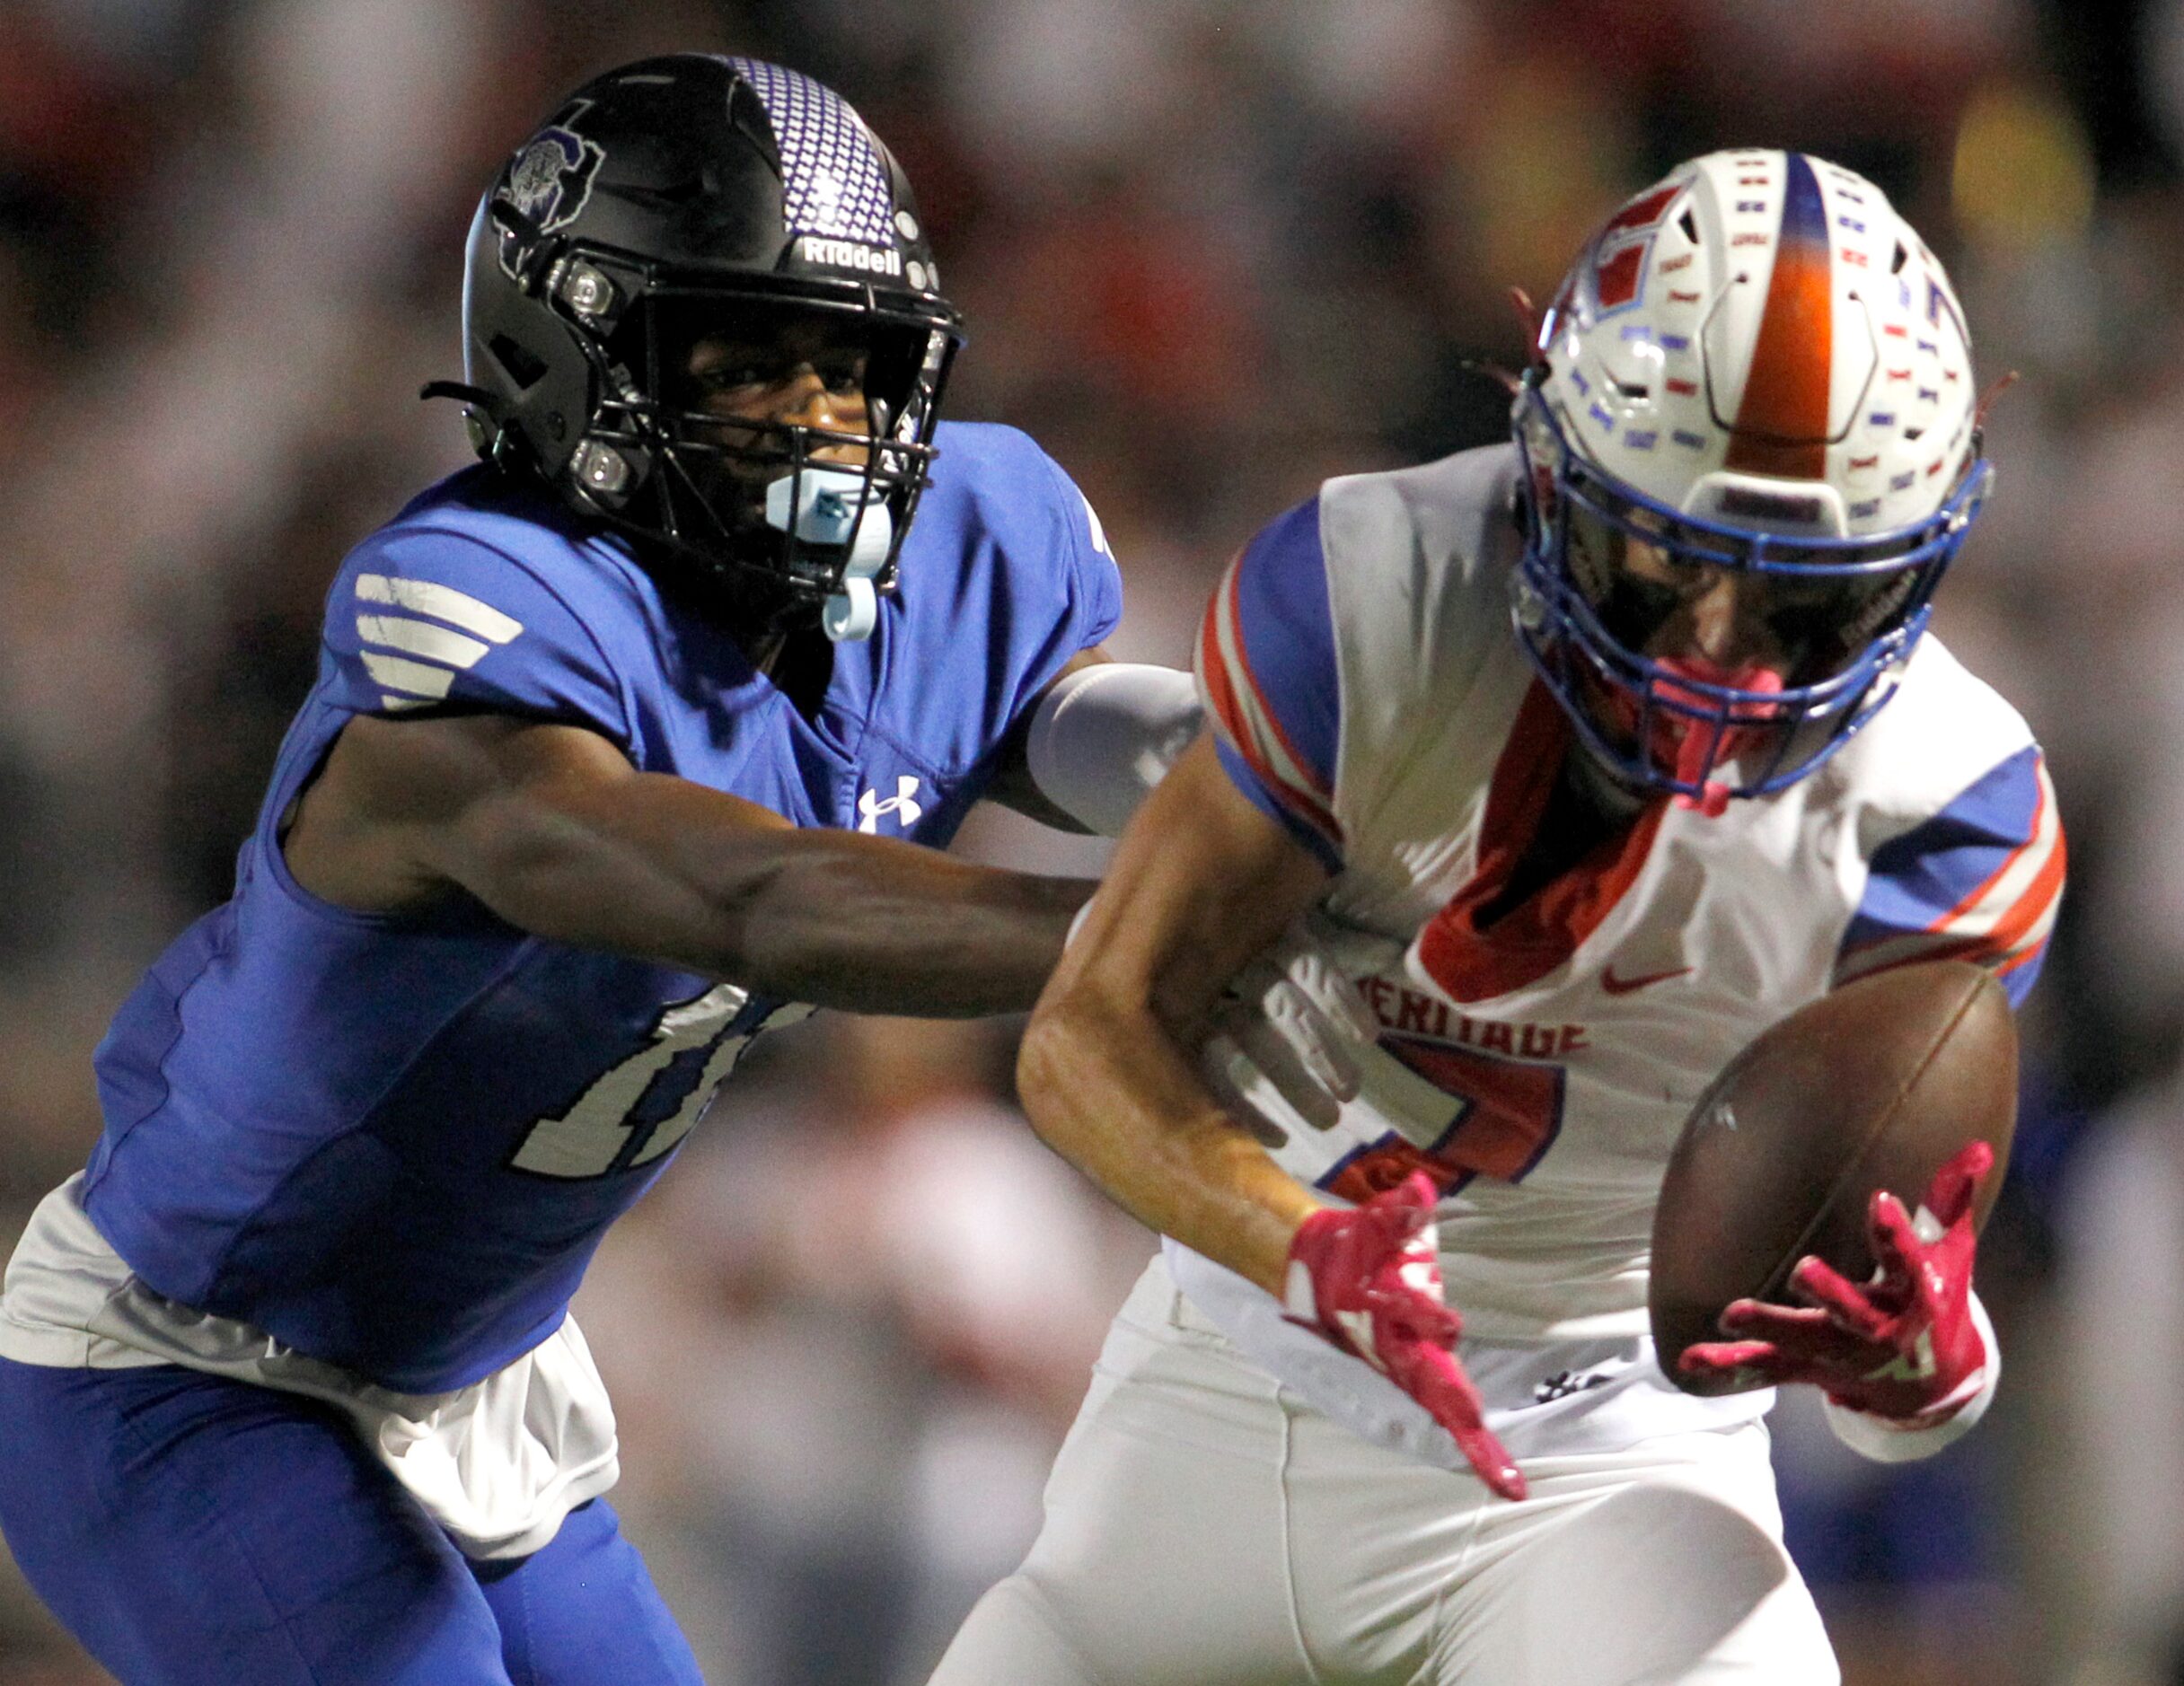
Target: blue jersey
x,y
392,1143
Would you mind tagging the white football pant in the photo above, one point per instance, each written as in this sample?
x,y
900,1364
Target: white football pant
x,y
1204,1527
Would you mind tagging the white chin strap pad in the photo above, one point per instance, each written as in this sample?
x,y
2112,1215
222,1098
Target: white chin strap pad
x,y
827,513
850,613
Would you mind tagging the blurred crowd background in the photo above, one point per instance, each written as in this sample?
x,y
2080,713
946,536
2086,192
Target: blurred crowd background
x,y
1210,252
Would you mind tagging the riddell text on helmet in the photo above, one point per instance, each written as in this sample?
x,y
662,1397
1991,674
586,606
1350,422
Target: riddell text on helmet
x,y
847,254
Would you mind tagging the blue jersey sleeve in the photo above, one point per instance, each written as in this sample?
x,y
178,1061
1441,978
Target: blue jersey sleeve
x,y
1006,576
1095,582
423,618
1267,672
1980,881
1092,584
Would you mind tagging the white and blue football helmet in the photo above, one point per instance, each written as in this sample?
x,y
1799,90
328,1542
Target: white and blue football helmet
x,y
1754,366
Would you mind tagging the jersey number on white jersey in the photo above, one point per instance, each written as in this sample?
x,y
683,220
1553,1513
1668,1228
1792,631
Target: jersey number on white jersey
x,y
1509,1115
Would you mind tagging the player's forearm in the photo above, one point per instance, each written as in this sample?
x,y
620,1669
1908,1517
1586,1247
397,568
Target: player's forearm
x,y
1106,1085
874,925
668,871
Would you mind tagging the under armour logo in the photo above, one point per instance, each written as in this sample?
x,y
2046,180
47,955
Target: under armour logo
x,y
904,804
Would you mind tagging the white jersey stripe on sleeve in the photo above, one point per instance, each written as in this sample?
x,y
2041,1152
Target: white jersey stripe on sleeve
x,y
2014,910
1259,737
421,638
2004,952
432,653
2004,896
2037,932
1099,533
442,602
399,674
2000,923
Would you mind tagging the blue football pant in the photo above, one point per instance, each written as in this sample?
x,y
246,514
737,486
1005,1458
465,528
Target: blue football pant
x,y
192,1531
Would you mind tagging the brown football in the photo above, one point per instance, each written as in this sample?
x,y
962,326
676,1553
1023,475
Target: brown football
x,y
1875,1085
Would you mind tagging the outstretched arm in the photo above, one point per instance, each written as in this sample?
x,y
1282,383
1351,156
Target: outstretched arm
x,y
1203,883
1908,1359
552,829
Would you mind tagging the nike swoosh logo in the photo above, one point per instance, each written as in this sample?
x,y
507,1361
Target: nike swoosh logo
x,y
1615,985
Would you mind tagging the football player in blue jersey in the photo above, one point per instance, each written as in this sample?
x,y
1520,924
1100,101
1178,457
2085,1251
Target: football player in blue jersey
x,y
624,743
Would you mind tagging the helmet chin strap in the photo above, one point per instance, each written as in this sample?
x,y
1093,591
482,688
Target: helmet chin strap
x,y
831,508
1608,792
1702,746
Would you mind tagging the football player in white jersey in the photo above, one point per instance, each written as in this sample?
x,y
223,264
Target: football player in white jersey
x,y
1624,739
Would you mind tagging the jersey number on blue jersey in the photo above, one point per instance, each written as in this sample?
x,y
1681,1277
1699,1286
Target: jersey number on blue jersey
x,y
595,1136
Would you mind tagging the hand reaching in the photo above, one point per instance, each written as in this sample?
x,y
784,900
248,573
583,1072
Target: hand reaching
x,y
1293,1030
1368,1279
1905,1347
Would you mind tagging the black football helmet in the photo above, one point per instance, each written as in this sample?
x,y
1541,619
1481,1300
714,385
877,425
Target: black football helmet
x,y
692,194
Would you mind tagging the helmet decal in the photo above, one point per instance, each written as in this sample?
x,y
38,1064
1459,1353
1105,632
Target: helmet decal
x,y
552,177
1618,268
832,181
1782,424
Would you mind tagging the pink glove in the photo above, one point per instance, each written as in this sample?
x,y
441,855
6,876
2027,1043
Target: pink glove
x,y
1366,1278
1905,1347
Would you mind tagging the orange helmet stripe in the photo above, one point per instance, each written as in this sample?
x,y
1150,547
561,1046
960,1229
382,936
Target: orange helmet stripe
x,y
1782,424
